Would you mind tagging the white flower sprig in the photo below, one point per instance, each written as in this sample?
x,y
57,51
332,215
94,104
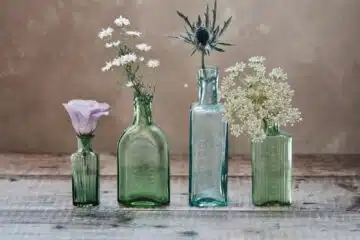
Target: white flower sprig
x,y
129,55
251,96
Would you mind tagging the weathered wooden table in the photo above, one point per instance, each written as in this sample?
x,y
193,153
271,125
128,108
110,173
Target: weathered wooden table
x,y
35,202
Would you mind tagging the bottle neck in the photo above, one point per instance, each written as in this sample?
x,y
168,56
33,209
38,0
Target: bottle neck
x,y
84,142
271,129
208,85
142,110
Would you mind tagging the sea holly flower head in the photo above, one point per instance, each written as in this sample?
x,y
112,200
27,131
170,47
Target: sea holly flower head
x,y
84,114
203,35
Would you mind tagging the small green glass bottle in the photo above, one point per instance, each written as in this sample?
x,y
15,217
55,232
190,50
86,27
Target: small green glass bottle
x,y
85,173
143,160
272,168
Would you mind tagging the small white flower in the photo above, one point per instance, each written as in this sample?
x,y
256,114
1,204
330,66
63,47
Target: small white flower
x,y
143,47
109,45
141,59
153,63
185,85
257,59
238,67
131,57
127,58
105,32
116,61
112,44
129,84
133,33
107,67
278,74
121,21
116,43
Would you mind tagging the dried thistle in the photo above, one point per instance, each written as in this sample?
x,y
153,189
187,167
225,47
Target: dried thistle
x,y
204,34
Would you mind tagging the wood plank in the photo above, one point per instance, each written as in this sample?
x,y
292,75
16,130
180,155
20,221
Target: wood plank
x,y
324,208
231,226
303,165
309,194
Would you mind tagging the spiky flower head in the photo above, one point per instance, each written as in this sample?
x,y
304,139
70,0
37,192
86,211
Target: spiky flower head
x,y
204,34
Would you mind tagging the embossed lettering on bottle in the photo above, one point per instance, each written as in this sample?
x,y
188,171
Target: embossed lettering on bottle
x,y
143,163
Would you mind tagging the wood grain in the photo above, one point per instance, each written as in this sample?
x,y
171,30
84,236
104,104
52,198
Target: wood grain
x,y
303,165
35,204
324,208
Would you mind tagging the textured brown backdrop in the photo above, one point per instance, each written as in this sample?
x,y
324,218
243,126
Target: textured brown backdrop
x,y
50,53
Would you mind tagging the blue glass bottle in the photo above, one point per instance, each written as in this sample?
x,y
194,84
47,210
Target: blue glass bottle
x,y
208,147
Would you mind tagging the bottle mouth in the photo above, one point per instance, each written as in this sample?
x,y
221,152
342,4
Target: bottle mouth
x,y
209,72
209,68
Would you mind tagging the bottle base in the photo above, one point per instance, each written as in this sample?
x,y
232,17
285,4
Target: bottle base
x,y
271,203
207,202
85,204
143,203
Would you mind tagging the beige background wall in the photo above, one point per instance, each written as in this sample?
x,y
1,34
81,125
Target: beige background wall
x,y
50,53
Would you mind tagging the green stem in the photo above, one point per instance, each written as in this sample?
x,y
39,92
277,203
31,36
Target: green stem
x,y
203,60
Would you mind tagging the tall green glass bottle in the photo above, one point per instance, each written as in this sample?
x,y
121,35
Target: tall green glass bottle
x,y
272,168
85,173
143,164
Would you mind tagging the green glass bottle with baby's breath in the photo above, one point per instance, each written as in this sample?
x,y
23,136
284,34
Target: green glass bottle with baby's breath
x,y
272,168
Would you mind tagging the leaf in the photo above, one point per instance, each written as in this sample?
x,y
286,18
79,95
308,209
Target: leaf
x,y
226,24
137,69
194,51
186,39
225,44
214,15
216,31
181,37
218,49
189,35
173,37
186,19
207,16
198,24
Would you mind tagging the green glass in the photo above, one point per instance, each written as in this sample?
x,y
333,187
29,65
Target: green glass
x,y
143,160
85,173
272,168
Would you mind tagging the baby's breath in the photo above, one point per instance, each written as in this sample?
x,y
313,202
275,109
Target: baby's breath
x,y
251,97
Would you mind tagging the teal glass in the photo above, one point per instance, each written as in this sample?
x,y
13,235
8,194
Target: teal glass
x,y
272,168
143,162
85,174
208,146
